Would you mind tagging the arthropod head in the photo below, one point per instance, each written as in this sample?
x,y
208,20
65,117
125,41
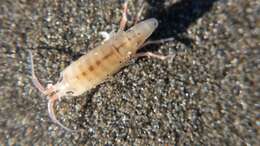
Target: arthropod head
x,y
51,91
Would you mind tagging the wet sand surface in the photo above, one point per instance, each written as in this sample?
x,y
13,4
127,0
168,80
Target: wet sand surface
x,y
207,94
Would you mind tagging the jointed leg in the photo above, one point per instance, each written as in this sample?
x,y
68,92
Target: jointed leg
x,y
153,55
138,15
150,54
124,16
160,41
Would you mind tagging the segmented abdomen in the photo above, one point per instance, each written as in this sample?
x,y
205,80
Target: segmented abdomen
x,y
97,65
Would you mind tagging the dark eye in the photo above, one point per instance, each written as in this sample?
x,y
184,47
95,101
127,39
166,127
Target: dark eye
x,y
70,92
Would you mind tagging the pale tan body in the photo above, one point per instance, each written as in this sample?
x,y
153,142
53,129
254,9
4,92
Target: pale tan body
x,y
105,60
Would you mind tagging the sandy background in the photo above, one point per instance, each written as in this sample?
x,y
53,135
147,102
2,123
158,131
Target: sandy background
x,y
208,94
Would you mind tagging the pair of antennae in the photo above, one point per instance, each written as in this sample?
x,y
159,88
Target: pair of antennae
x,y
52,98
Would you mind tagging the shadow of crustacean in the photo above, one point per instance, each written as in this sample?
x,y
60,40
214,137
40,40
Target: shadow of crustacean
x,y
175,19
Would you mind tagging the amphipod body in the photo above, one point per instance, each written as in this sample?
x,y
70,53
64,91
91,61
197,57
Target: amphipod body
x,y
98,64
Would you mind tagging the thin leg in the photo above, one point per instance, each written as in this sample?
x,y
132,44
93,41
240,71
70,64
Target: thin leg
x,y
35,80
138,15
150,54
157,41
124,16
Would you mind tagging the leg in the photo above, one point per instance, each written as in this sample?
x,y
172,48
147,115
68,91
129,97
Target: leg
x,y
150,54
124,17
157,41
137,17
